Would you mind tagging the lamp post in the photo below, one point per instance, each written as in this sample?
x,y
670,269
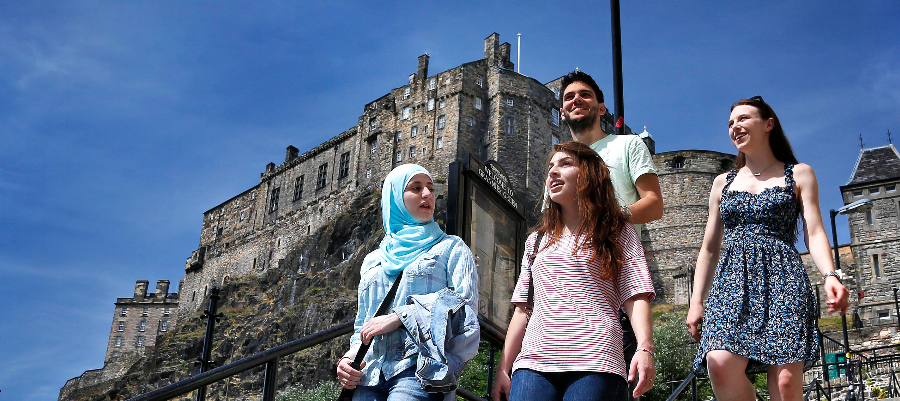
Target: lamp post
x,y
859,206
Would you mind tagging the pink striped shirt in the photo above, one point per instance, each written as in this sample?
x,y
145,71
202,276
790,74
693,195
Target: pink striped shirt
x,y
574,326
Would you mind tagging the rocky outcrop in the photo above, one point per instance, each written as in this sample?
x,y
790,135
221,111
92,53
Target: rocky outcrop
x,y
313,288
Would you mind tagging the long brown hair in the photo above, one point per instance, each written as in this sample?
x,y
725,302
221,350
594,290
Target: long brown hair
x,y
602,220
777,140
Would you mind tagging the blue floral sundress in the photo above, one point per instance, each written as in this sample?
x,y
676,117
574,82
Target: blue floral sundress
x,y
761,304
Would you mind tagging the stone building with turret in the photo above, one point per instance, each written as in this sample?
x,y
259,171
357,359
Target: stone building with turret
x,y
875,234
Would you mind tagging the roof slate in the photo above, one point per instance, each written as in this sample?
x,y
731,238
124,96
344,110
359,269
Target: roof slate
x,y
875,164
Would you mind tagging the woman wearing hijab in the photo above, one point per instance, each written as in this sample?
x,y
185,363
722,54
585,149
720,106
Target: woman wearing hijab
x,y
415,354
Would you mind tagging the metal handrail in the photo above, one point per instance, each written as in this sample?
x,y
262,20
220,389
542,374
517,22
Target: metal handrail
x,y
687,380
268,357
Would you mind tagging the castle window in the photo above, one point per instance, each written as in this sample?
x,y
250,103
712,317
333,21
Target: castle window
x,y
372,124
406,93
373,146
140,341
479,81
510,102
857,193
273,204
164,325
166,311
554,117
725,165
478,103
442,122
298,187
414,131
890,188
405,115
323,176
399,156
874,191
884,314
439,143
510,127
345,165
876,265
425,130
677,162
412,152
431,84
253,195
430,104
124,311
556,94
442,103
118,341
242,217
368,173
870,218
145,312
120,326
399,135
470,121
554,139
142,326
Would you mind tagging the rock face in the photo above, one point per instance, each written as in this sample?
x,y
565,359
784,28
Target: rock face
x,y
313,288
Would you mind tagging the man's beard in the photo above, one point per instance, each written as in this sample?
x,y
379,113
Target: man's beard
x,y
584,124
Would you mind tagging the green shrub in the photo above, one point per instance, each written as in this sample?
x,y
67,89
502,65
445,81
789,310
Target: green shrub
x,y
325,391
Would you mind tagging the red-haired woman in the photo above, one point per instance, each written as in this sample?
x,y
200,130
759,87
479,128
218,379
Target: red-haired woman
x,y
589,263
756,305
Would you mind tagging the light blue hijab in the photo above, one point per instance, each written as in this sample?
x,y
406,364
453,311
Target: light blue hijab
x,y
404,237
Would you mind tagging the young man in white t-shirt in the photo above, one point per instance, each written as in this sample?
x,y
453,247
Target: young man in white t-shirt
x,y
631,166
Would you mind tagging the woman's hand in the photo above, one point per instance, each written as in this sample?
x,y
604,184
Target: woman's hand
x,y
642,367
838,296
694,318
348,376
379,325
502,383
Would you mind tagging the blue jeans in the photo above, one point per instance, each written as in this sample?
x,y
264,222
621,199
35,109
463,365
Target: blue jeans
x,y
567,386
402,387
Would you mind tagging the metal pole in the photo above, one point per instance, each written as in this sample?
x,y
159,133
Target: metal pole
x,y
271,380
519,55
837,266
490,371
897,307
617,67
211,318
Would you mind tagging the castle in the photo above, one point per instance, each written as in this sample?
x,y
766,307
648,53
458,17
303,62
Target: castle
x,y
482,108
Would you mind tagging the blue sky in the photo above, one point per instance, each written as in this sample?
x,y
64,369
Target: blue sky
x,y
122,122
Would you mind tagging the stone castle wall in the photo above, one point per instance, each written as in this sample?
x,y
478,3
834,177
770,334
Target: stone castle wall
x,y
673,242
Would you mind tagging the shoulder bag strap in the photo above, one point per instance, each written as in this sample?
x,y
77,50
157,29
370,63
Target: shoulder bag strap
x,y
347,394
534,251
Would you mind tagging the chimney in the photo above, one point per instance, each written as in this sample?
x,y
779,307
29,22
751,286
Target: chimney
x,y
490,48
292,153
162,288
422,70
140,289
503,57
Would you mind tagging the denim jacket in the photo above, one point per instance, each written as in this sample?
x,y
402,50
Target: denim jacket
x,y
446,332
449,263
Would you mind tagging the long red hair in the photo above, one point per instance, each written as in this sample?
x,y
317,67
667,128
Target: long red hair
x,y
602,220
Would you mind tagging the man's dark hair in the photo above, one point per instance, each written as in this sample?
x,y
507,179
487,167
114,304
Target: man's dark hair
x,y
579,76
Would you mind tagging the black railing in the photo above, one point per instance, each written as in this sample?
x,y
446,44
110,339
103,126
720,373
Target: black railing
x,y
268,357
